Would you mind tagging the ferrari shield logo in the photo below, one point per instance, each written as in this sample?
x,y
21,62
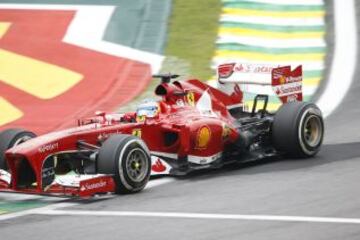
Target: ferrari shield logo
x,y
136,132
190,97
226,132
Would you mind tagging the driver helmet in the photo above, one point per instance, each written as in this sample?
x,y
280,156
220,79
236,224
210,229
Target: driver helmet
x,y
147,109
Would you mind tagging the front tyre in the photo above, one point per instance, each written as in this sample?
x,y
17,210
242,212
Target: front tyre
x,y
298,129
127,158
10,138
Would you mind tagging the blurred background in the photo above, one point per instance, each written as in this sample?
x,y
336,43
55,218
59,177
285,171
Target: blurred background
x,y
61,60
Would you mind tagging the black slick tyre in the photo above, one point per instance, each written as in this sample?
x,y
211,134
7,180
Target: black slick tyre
x,y
10,138
127,158
298,129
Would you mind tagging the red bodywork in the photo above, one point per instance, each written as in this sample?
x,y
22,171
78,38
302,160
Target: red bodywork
x,y
196,133
193,123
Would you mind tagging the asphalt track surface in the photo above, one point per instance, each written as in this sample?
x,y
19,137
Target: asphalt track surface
x,y
326,186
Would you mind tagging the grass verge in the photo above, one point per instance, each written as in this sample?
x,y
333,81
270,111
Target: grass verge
x,y
192,33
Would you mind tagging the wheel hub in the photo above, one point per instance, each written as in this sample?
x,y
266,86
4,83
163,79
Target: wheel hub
x,y
313,130
136,165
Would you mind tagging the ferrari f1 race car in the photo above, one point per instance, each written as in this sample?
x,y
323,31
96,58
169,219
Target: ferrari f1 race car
x,y
191,126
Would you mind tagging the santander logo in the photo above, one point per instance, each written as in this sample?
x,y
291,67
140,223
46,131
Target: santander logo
x,y
91,186
158,166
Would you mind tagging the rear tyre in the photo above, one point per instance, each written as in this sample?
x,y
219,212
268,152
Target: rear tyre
x,y
10,138
298,129
128,159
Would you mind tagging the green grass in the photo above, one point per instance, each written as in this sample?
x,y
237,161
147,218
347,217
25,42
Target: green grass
x,y
15,206
192,34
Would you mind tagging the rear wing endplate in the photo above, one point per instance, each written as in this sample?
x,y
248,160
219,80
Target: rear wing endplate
x,y
286,83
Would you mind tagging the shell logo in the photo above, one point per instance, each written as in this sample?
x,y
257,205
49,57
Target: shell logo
x,y
282,80
203,137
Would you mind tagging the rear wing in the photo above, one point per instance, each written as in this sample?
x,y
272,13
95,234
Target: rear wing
x,y
286,83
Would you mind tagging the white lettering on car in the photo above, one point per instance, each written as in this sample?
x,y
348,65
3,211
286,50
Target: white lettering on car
x,y
287,89
48,147
91,186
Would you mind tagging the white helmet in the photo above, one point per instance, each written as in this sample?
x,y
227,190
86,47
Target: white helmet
x,y
148,108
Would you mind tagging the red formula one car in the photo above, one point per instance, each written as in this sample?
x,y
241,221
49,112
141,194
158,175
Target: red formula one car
x,y
191,126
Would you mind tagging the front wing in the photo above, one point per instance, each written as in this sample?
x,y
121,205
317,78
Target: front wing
x,y
69,185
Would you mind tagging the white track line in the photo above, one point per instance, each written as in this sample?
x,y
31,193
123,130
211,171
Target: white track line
x,y
200,216
344,60
41,210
